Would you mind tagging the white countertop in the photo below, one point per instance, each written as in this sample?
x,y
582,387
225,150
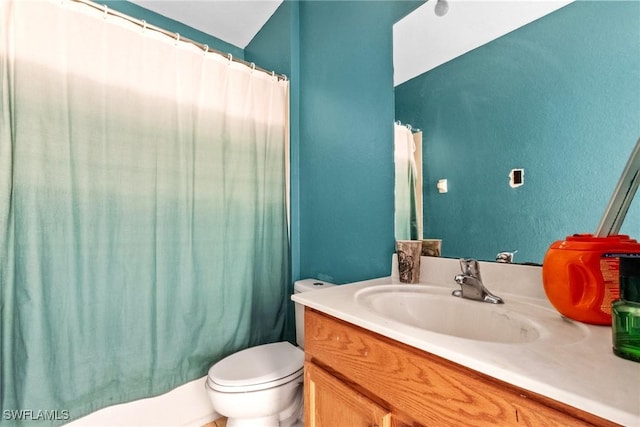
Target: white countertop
x,y
584,374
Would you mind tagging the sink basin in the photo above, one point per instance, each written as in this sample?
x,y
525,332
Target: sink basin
x,y
434,309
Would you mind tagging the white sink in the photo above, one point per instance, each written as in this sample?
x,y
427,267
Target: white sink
x,y
434,309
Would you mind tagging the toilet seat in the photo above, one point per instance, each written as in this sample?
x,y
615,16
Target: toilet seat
x,y
257,368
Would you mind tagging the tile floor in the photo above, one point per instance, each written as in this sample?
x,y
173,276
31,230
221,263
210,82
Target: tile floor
x,y
220,422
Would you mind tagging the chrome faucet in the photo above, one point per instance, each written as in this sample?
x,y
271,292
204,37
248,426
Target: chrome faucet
x,y
505,257
471,286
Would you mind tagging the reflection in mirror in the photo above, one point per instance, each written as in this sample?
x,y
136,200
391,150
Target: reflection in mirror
x,y
407,159
558,98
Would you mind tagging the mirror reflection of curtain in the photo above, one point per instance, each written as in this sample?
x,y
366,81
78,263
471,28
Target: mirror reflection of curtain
x,y
406,176
143,230
417,157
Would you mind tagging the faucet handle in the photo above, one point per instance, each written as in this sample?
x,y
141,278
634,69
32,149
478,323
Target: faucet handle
x,y
470,267
471,286
505,257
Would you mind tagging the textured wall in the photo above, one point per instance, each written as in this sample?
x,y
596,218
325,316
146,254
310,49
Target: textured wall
x,y
341,74
346,138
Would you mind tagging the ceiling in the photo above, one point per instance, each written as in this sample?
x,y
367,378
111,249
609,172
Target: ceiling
x,y
235,22
422,40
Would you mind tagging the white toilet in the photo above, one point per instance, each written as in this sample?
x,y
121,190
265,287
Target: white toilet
x,y
262,386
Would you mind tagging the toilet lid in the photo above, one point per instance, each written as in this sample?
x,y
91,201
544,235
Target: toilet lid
x,y
256,365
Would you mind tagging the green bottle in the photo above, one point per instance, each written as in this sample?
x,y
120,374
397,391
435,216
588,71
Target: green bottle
x,y
626,311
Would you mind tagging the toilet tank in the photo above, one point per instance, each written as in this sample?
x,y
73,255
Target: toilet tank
x,y
305,286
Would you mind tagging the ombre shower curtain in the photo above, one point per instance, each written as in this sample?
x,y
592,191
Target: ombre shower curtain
x,y
406,209
143,230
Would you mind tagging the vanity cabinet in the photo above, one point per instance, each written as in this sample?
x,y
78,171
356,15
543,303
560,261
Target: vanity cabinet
x,y
333,403
355,377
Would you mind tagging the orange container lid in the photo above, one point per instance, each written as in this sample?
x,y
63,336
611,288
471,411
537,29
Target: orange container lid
x,y
588,242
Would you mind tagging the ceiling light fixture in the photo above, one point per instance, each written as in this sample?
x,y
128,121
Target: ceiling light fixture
x,y
442,7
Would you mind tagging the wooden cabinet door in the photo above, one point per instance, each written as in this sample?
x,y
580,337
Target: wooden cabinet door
x,y
331,403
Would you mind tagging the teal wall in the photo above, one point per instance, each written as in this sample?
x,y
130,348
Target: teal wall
x,y
158,20
346,138
342,113
272,47
560,98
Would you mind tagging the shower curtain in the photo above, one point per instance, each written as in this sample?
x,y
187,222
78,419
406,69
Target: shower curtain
x,y
406,209
143,230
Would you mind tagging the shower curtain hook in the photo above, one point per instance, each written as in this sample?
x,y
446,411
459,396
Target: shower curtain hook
x,y
106,12
273,74
177,38
144,26
230,58
253,66
206,48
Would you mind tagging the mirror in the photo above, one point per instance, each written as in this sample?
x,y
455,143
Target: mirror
x,y
555,98
407,159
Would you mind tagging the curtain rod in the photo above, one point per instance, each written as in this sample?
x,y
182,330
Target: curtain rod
x,y
408,126
142,23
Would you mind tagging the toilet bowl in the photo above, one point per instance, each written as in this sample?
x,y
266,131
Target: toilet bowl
x,y
262,386
258,386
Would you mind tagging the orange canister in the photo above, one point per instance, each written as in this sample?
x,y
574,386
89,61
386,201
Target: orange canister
x,y
581,275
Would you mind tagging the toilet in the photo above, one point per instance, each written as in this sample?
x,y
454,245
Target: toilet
x,y
262,386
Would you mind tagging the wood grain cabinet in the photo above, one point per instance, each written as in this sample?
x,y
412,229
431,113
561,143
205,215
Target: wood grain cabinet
x,y
357,378
333,403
